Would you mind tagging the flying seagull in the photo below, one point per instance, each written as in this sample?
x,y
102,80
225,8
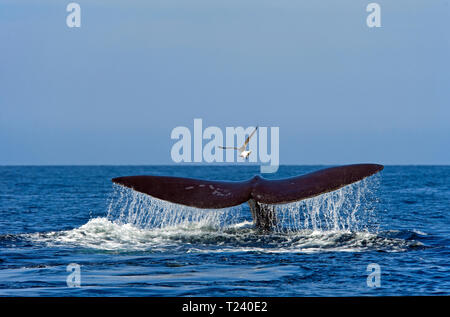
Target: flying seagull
x,y
242,150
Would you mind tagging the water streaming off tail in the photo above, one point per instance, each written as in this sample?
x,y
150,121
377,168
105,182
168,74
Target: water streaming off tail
x,y
348,209
143,211
351,208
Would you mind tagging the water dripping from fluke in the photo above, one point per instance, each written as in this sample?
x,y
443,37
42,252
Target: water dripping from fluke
x,y
349,209
130,207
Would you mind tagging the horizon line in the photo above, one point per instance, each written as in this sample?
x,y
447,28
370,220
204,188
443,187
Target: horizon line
x,y
206,165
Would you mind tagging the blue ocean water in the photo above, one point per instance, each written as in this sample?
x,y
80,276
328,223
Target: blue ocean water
x,y
129,244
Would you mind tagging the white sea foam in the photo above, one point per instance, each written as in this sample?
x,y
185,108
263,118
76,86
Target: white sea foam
x,y
102,234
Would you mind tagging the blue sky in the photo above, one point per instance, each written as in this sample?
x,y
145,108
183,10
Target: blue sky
x,y
111,91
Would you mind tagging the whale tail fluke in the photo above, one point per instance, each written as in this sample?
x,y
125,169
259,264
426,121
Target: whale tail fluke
x,y
208,194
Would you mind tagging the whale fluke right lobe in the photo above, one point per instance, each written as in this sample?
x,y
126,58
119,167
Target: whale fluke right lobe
x,y
312,184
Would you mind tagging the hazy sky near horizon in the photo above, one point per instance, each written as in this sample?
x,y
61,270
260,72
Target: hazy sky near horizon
x,y
111,91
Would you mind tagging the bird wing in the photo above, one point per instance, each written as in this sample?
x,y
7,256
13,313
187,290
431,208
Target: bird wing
x,y
228,147
248,140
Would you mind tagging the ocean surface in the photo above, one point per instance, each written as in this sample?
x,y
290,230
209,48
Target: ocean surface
x,y
386,235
